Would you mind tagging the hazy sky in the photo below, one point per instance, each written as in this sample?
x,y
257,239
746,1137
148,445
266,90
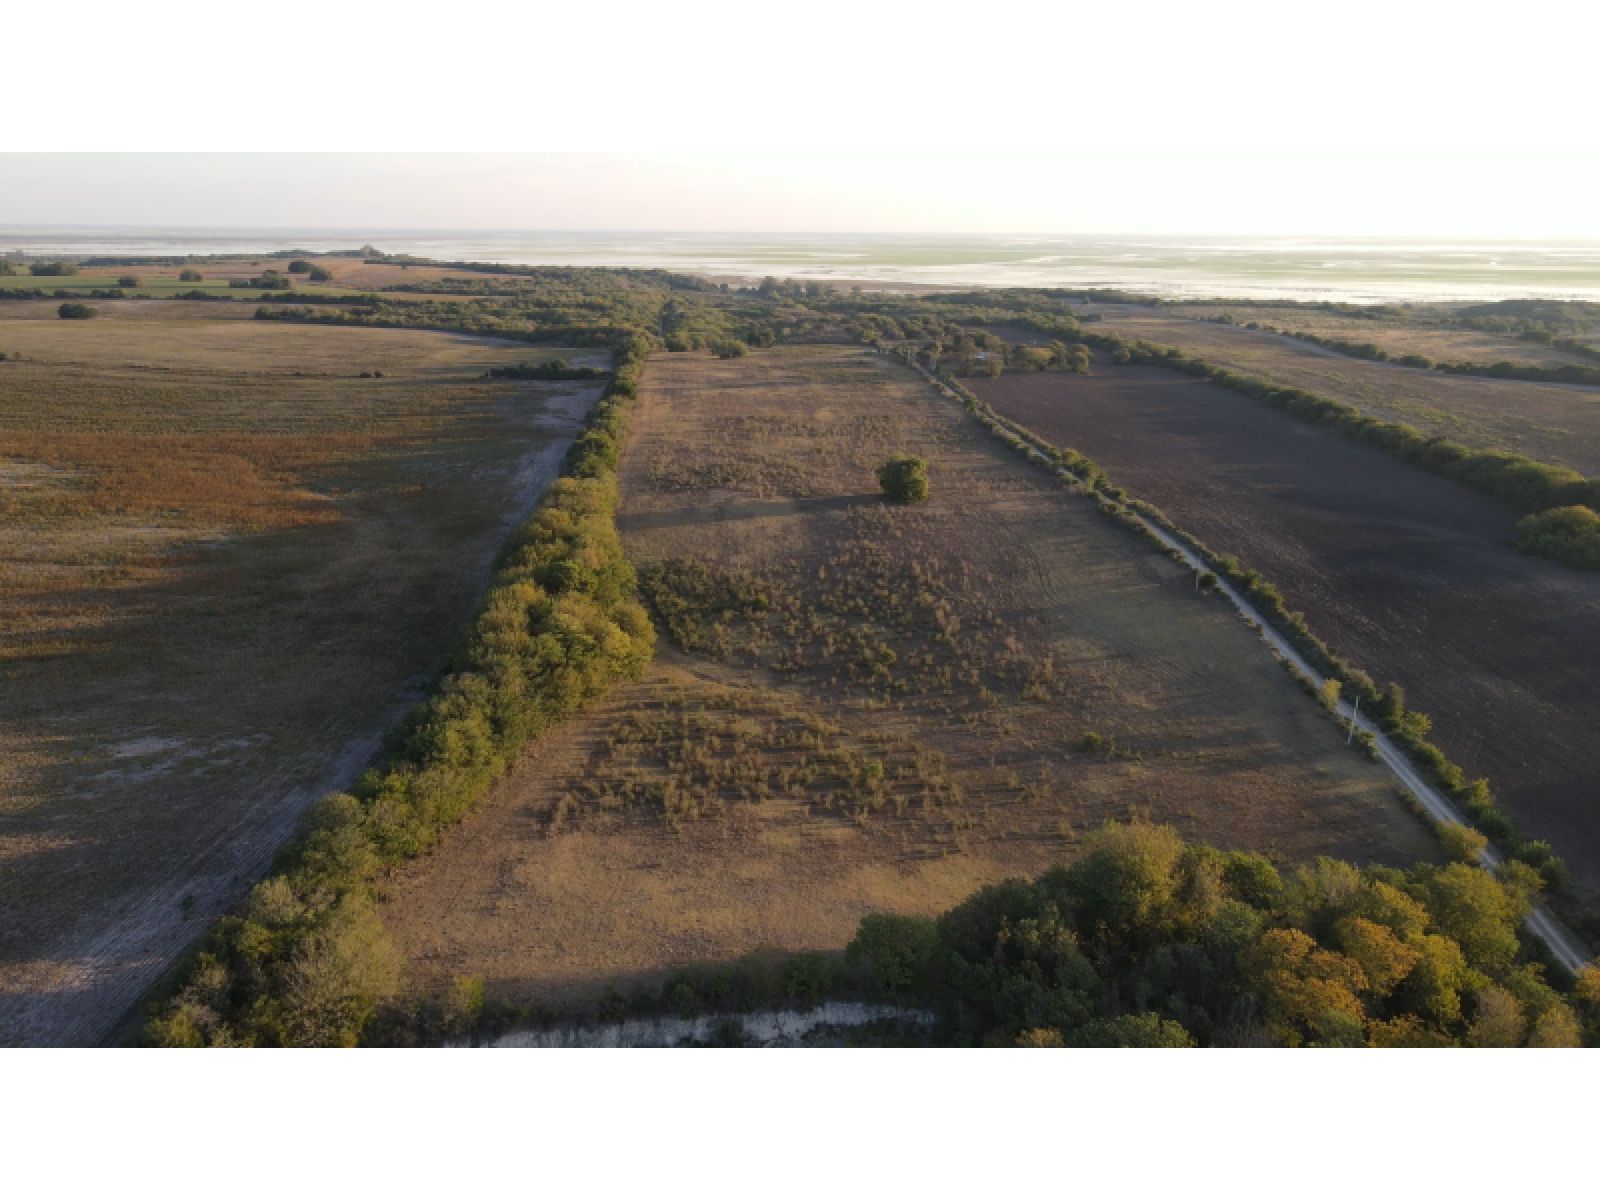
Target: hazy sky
x,y
1405,195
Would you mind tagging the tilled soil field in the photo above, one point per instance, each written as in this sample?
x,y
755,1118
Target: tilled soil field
x,y
1556,423
1410,576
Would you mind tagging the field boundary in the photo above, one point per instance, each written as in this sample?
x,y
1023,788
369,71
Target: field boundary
x,y
1568,375
305,959
1525,484
1288,640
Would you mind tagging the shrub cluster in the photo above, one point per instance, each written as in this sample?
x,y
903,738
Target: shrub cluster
x,y
904,479
305,960
1149,941
554,369
1570,534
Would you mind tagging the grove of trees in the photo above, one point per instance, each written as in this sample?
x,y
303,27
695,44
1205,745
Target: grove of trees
x,y
1151,941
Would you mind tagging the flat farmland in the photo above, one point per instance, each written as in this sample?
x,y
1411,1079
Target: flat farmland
x,y
1410,576
1555,423
863,707
1400,335
226,562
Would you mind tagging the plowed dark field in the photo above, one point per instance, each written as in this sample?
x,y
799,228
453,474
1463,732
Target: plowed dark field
x,y
1410,576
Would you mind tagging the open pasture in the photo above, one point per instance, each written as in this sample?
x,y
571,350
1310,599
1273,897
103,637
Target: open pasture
x,y
863,707
226,561
1410,576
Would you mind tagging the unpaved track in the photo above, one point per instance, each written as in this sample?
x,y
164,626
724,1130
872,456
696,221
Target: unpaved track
x,y
1563,946
96,974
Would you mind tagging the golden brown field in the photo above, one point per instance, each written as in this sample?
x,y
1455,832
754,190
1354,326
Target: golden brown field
x,y
226,560
864,707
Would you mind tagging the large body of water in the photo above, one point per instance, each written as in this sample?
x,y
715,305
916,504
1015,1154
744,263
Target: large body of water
x,y
1359,270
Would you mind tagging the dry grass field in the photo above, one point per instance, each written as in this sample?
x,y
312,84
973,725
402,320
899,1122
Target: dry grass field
x,y
1410,576
226,560
1553,423
863,707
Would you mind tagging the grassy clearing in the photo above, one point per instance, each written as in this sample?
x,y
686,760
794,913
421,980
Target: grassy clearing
x,y
863,706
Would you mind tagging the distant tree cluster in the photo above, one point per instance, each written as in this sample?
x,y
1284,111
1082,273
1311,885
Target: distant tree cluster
x,y
1149,941
53,268
554,369
269,280
76,312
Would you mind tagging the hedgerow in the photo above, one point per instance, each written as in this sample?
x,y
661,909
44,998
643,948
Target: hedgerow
x,y
1522,482
305,959
1406,728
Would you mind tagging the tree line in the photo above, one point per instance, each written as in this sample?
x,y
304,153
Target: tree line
x,y
305,960
1406,727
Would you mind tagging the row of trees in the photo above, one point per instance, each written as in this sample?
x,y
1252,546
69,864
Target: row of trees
x,y
1520,481
1408,728
306,961
1528,372
1149,941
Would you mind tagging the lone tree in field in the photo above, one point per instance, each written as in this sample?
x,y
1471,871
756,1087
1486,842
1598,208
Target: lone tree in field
x,y
76,312
904,479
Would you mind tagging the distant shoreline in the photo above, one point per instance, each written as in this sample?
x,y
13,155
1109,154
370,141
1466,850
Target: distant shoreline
x,y
1371,271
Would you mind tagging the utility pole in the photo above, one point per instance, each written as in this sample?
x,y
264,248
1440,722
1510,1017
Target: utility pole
x,y
1354,710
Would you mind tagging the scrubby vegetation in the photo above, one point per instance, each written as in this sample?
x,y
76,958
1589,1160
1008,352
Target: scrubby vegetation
x,y
1149,941
1570,534
76,312
554,369
305,961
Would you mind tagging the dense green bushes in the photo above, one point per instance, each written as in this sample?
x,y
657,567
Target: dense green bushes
x,y
1570,535
904,479
1148,941
76,312
305,960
